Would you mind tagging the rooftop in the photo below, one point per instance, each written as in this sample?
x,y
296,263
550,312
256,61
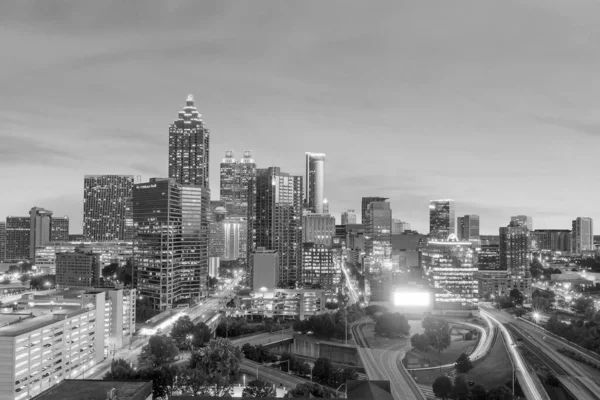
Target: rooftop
x,y
88,389
42,316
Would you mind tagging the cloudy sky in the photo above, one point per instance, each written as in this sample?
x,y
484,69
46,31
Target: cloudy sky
x,y
492,103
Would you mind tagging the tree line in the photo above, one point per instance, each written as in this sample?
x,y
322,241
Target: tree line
x,y
331,325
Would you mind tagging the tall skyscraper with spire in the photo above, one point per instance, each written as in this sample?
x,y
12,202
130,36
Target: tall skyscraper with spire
x,y
236,176
315,181
189,142
228,175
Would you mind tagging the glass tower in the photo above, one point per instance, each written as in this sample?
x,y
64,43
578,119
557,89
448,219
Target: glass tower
x,y
236,176
441,219
315,177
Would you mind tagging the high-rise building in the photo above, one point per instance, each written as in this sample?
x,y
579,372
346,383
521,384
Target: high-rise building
x,y
468,227
522,220
275,219
171,241
235,177
365,203
441,219
59,229
189,143
515,256
318,266
39,222
325,206
107,213
583,235
318,229
18,233
488,257
264,265
349,217
551,240
2,240
399,226
450,267
315,181
378,225
78,269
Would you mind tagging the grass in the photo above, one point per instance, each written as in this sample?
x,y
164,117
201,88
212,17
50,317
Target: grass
x,y
378,342
449,355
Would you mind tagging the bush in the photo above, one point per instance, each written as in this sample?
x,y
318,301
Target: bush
x,y
392,325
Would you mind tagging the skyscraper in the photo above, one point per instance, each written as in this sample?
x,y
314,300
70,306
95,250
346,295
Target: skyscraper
x,y
189,142
378,225
18,232
107,213
315,180
468,227
441,219
171,241
318,229
59,229
236,176
275,219
2,240
39,222
583,235
515,256
365,203
522,220
399,226
349,217
318,267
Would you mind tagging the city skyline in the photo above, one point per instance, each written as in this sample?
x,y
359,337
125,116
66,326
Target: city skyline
x,y
422,101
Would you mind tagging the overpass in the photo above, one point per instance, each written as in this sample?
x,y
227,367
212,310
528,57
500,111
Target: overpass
x,y
266,339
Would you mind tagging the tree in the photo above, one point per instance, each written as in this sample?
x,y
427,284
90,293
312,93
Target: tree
x,y
420,341
110,270
460,389
212,282
478,392
201,334
6,280
120,370
258,388
442,387
392,325
42,282
438,332
180,331
463,364
219,361
144,309
24,278
541,303
517,297
582,304
322,370
499,393
310,389
159,350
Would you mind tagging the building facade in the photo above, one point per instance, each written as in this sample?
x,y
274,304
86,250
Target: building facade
x,y
365,204
583,235
515,256
2,241
170,247
315,182
107,212
318,228
468,227
78,269
287,304
349,217
264,266
59,229
522,220
318,266
399,226
275,219
236,176
40,227
18,233
378,225
488,257
189,143
441,219
551,240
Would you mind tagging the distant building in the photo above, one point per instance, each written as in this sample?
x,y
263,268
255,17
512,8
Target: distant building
x,y
75,238
325,206
349,217
2,241
318,266
441,219
236,176
89,389
78,269
515,256
551,240
399,226
583,235
468,227
264,266
315,181
228,235
522,220
365,204
490,239
287,304
318,228
493,283
107,212
18,233
40,223
378,225
59,229
488,257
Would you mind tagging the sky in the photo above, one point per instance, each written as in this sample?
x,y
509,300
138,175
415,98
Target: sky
x,y
491,103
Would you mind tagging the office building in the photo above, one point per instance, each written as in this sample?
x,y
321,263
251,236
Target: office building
x,y
2,241
228,238
493,283
88,389
378,224
236,176
264,266
189,142
318,229
318,266
315,181
468,228
107,213
522,220
287,304
399,226
75,238
450,267
39,225
551,240
78,269
349,217
488,258
583,235
441,219
515,256
325,206
275,219
59,229
365,203
170,254
18,233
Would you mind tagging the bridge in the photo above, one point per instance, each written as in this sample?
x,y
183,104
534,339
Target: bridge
x,y
267,339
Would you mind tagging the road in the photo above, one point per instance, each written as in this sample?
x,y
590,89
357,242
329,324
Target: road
x,y
383,365
264,338
582,383
271,374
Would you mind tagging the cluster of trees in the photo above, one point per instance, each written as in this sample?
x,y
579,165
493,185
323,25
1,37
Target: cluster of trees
x,y
258,353
539,272
444,388
309,389
260,389
144,309
592,263
514,299
542,299
21,268
583,305
390,324
232,327
463,364
375,310
115,272
436,335
212,282
41,282
211,371
325,373
329,325
187,335
585,334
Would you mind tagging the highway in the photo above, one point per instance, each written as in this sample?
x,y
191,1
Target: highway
x,y
270,374
582,382
264,338
383,365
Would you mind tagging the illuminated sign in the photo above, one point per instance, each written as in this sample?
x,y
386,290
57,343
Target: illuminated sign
x,y
411,298
147,186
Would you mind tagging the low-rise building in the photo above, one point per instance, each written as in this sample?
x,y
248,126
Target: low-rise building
x,y
78,269
87,389
282,303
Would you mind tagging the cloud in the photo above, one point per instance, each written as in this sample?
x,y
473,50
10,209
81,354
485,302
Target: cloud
x,y
585,128
17,150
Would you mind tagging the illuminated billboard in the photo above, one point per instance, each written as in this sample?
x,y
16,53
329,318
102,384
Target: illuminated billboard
x,y
412,299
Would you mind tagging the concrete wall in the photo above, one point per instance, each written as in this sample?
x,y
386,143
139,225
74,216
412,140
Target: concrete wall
x,y
309,346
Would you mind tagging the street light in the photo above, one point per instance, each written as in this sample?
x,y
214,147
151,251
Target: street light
x,y
536,317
